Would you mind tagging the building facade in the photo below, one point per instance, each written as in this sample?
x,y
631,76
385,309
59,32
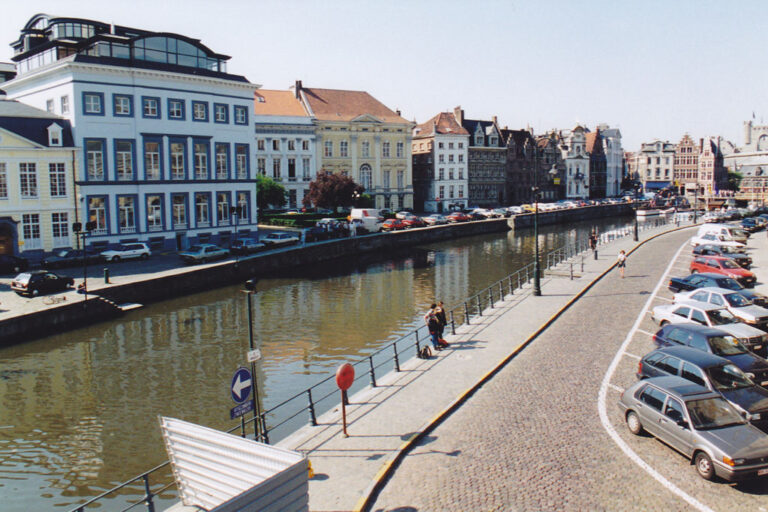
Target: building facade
x,y
166,132
614,159
286,147
713,177
487,161
37,181
686,167
573,150
359,136
655,164
598,165
440,164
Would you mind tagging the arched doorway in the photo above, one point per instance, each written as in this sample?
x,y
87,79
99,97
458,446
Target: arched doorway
x,y
7,236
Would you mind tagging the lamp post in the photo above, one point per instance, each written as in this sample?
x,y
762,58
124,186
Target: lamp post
x,y
536,192
695,201
77,229
259,429
355,198
638,187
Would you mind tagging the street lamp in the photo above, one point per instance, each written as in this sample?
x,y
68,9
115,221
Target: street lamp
x,y
77,229
259,429
527,148
355,198
638,187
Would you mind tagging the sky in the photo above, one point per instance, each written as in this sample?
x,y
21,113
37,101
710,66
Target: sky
x,y
653,68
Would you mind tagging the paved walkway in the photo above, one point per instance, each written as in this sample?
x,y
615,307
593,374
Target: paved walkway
x,y
383,420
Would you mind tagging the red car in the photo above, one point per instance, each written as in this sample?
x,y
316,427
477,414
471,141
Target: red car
x,y
724,266
392,225
458,217
413,222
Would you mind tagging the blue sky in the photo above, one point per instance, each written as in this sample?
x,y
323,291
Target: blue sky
x,y
655,69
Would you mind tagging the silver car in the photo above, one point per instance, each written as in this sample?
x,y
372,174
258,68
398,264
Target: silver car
x,y
698,423
704,313
735,302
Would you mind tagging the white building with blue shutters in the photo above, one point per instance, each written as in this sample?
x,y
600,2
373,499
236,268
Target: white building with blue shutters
x,y
166,132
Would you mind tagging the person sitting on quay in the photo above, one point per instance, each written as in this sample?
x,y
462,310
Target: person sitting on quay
x,y
433,324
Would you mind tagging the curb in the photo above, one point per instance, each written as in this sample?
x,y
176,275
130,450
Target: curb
x,y
388,468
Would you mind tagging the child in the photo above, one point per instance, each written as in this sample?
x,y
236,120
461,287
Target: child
x,y
622,262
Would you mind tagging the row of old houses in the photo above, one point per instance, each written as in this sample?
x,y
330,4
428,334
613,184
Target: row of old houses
x,y
145,136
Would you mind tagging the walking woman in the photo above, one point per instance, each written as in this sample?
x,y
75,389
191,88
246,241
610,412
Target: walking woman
x,y
622,262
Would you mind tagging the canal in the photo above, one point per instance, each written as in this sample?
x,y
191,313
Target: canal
x,y
78,410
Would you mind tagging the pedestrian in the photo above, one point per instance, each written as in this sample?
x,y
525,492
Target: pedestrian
x,y
622,262
593,242
440,312
433,324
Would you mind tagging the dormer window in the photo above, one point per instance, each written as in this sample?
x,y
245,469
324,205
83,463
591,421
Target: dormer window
x,y
478,136
54,135
492,140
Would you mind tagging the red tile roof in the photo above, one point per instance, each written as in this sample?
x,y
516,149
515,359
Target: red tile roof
x,y
339,105
591,138
443,123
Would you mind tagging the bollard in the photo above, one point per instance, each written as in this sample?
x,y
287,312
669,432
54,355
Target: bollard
x,y
490,297
372,372
453,324
511,290
466,313
501,291
264,432
571,271
312,417
582,263
106,275
595,253
477,301
397,360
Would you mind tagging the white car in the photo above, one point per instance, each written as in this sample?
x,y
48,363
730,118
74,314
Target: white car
x,y
434,220
516,210
719,240
127,252
277,239
741,307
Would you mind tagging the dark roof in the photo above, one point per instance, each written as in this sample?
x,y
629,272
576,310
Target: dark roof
x,y
32,123
695,356
471,125
700,329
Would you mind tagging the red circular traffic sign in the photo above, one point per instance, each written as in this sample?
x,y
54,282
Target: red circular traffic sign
x,y
345,376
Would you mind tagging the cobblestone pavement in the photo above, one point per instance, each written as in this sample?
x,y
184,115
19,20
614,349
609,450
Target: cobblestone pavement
x,y
531,438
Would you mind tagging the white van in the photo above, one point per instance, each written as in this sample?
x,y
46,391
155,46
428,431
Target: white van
x,y
368,218
722,229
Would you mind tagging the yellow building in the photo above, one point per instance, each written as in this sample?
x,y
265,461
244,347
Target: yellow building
x,y
359,136
37,186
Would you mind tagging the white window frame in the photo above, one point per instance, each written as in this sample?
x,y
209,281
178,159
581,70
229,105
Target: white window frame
x,y
28,180
57,177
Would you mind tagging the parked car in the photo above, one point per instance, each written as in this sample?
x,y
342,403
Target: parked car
x,y
717,342
715,239
12,264
724,266
714,373
750,225
434,220
728,231
413,221
40,282
457,217
392,225
698,423
203,253
279,238
127,252
245,246
403,214
70,257
741,307
703,280
704,313
713,250
370,218
516,210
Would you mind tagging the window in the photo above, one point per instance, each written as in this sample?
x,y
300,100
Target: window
x,y
698,317
276,169
385,149
400,149
60,228
54,135
492,140
441,194
28,180
305,168
275,145
461,174
461,191
440,145
366,176
179,204
344,149
243,200
674,410
222,161
450,173
201,160
241,114
291,169
260,145
261,166
365,149
441,159
305,145
478,139
461,145
400,179
203,209
328,149
124,159
291,145
150,107
154,213
31,229
199,111
49,105
97,212
241,161
682,311
222,207
653,397
385,179
220,113
3,181
176,109
450,192
450,159
178,171
450,145
57,176
152,160
669,365
122,105
93,104
64,103
126,214
441,174
693,374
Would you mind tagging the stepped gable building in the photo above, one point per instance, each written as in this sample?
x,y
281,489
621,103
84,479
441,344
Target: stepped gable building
x,y
166,132
487,161
519,166
713,177
285,142
573,151
686,167
598,177
359,136
38,202
440,164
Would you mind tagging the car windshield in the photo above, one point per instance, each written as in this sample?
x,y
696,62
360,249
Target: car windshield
x,y
712,413
737,300
728,376
62,254
728,284
729,264
721,317
194,248
726,346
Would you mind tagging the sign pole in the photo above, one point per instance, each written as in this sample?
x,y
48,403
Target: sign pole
x,y
345,376
344,413
257,407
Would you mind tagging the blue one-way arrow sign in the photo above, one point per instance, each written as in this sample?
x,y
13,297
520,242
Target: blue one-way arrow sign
x,y
241,385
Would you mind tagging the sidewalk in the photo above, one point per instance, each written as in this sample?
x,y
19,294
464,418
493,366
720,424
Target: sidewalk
x,y
385,420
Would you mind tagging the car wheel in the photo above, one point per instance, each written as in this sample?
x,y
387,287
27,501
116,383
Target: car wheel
x,y
144,256
35,293
115,259
17,269
663,323
704,466
694,271
633,423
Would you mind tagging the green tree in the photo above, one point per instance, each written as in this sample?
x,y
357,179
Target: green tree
x,y
734,180
269,192
330,190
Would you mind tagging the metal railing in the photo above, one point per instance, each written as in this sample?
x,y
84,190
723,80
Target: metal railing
x,y
316,399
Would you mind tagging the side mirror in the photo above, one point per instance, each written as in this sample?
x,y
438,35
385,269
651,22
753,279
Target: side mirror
x,y
682,424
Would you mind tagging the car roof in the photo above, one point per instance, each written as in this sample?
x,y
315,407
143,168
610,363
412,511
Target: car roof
x,y
712,256
706,306
680,387
711,275
716,289
699,329
692,355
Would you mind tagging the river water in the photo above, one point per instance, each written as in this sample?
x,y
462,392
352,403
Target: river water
x,y
78,410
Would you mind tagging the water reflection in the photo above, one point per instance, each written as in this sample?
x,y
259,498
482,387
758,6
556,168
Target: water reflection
x,y
78,410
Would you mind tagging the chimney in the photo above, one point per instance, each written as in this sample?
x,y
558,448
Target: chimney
x,y
495,120
701,144
458,113
398,112
298,89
